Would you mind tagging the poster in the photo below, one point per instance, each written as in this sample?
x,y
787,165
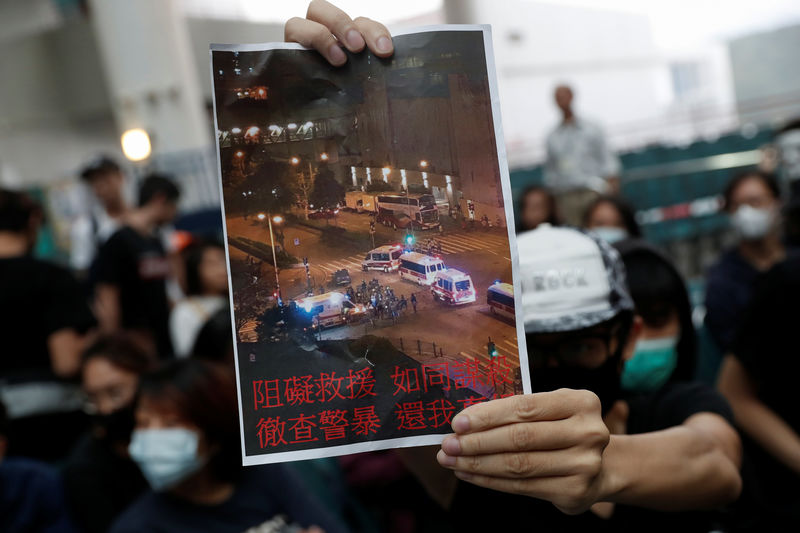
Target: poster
x,y
370,242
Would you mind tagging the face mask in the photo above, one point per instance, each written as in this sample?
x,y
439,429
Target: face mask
x,y
752,223
117,425
611,234
603,380
165,456
652,364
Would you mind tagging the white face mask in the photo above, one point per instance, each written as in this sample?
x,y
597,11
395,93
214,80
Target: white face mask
x,y
165,456
753,223
611,234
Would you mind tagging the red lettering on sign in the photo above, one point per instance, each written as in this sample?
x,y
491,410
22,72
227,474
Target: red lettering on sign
x,y
302,427
472,400
467,374
328,387
333,423
270,431
410,415
405,380
365,421
266,393
435,375
361,384
440,413
499,374
299,390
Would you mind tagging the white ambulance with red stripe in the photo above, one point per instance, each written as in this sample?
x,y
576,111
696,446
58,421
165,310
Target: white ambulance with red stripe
x,y
420,267
386,258
453,286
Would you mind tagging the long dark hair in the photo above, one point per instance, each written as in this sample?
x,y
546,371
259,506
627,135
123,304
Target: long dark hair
x,y
204,394
193,257
552,218
658,290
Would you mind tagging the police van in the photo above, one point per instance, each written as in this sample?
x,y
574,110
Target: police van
x,y
384,258
419,267
500,298
330,309
453,286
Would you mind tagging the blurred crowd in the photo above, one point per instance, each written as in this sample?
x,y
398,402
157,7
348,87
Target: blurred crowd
x,y
119,406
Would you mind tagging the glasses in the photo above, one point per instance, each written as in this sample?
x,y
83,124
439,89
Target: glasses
x,y
586,350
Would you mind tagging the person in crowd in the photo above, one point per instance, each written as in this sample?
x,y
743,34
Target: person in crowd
x,y
31,494
752,199
579,163
679,454
206,289
186,443
214,341
612,218
133,269
536,206
758,377
667,347
100,479
103,218
45,323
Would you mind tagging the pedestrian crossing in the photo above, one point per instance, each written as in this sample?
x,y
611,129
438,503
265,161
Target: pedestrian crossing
x,y
451,244
505,348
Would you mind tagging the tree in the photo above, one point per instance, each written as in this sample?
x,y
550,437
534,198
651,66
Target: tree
x,y
272,188
327,192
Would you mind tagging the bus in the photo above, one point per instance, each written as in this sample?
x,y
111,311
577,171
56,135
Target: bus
x,y
500,298
420,208
420,267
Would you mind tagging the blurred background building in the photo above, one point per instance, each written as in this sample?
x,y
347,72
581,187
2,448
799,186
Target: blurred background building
x,y
687,92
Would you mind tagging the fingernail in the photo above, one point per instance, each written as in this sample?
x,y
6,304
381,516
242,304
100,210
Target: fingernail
x,y
463,475
451,446
444,459
336,55
461,424
354,40
384,44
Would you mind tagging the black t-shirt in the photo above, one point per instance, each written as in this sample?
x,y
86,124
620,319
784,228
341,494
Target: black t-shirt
x,y
767,347
138,266
37,299
100,484
478,509
262,493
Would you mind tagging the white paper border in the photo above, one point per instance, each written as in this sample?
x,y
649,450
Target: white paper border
x,y
505,182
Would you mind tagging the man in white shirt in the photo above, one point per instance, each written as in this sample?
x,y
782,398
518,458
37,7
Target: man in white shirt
x,y
101,219
579,165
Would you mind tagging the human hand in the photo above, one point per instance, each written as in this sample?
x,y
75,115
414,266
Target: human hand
x,y
327,28
547,445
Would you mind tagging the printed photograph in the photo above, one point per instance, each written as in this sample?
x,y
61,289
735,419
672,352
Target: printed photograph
x,y
368,240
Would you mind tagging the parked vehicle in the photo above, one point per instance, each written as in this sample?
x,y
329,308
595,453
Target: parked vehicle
x,y
500,298
341,278
323,213
395,220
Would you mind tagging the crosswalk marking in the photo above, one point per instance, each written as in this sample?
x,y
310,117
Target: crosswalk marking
x,y
512,344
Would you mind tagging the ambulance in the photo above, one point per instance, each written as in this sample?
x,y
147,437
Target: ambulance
x,y
330,309
453,286
500,297
419,267
386,258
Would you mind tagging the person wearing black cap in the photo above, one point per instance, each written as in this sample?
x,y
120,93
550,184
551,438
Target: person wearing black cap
x,y
102,218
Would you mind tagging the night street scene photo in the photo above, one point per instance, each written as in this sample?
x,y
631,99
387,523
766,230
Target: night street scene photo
x,y
368,242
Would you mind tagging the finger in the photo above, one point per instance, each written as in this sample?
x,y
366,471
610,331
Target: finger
x,y
542,406
314,35
337,22
546,435
378,38
522,465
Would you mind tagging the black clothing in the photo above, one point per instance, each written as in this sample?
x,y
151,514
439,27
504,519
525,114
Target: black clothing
x,y
262,493
766,346
138,266
37,299
100,484
478,509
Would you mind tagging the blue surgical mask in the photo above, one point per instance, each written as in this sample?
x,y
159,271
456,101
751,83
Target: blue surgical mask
x,y
611,234
165,456
652,364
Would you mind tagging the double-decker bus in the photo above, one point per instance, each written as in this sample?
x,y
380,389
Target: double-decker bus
x,y
421,208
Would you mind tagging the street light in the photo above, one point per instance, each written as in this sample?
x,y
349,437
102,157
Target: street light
x,y
295,160
236,130
323,156
278,220
423,164
239,154
136,144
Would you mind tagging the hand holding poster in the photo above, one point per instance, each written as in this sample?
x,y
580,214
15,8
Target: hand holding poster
x,y
388,175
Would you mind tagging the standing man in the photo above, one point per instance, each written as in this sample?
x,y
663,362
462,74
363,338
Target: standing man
x,y
414,302
93,228
133,269
579,163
